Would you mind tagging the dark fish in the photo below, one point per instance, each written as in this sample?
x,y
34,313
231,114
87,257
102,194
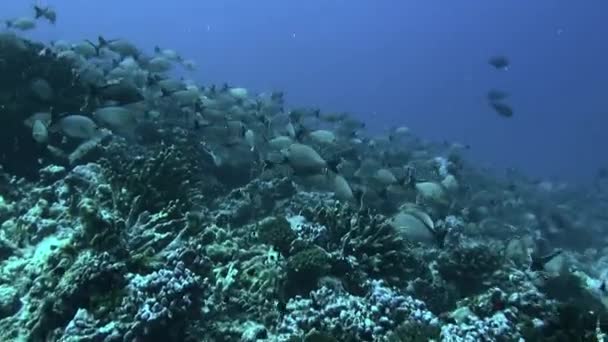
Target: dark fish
x,y
499,62
46,12
502,109
102,42
539,261
496,95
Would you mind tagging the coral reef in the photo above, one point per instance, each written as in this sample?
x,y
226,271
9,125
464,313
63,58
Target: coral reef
x,y
198,225
351,318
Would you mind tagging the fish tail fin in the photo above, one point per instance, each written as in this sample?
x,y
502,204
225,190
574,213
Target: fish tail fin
x,y
404,182
102,42
267,164
39,12
333,165
53,126
440,236
164,93
265,138
97,47
199,106
383,193
93,90
152,79
301,132
94,94
409,179
358,194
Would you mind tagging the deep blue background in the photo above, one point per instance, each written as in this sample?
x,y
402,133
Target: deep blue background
x,y
415,63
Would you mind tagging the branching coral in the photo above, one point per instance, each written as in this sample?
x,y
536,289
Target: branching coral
x,y
376,246
305,267
255,199
353,318
158,175
414,332
88,276
467,266
277,232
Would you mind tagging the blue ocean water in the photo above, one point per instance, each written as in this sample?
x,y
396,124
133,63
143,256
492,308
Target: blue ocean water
x,y
422,64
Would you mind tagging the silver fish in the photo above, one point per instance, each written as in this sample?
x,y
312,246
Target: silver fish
x,y
76,126
39,132
23,24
